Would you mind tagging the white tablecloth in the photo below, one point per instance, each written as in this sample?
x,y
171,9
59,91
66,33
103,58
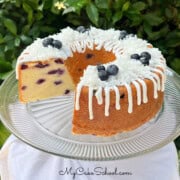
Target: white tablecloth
x,y
19,161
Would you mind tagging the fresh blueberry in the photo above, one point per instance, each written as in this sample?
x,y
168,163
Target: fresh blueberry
x,y
48,41
57,44
135,56
146,55
81,29
123,34
100,67
112,69
144,60
103,75
131,35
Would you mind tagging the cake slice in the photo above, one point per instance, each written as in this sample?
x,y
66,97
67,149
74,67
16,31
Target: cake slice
x,y
44,79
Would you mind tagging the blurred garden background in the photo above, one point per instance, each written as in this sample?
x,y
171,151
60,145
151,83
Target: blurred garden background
x,y
22,21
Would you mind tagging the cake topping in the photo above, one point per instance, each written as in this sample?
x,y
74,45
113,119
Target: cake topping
x,y
112,69
52,42
103,75
144,57
40,65
58,61
81,29
57,44
24,66
135,56
100,67
23,87
123,34
40,81
58,82
48,41
67,91
56,71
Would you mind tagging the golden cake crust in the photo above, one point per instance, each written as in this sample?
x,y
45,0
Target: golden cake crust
x,y
119,120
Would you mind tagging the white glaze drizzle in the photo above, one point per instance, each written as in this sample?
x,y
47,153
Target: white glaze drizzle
x,y
98,95
90,103
155,76
155,87
144,88
162,77
78,93
117,93
138,90
107,100
130,99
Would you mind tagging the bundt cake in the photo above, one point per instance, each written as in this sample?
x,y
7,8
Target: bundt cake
x,y
118,79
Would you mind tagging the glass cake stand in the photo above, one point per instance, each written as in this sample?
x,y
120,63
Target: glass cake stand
x,y
46,125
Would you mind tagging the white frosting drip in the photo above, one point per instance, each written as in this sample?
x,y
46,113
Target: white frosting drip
x,y
90,103
155,76
130,99
98,95
144,89
78,93
117,97
162,77
107,100
155,88
138,91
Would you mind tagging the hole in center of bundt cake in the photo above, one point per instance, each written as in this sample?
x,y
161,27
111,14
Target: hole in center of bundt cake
x,y
79,62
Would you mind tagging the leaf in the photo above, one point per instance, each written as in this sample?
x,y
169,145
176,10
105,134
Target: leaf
x,y
118,15
73,19
136,20
139,6
173,39
102,4
4,134
69,10
10,25
92,13
176,65
77,5
2,1
8,37
25,39
150,2
168,13
5,66
1,39
154,35
126,6
152,19
17,41
29,11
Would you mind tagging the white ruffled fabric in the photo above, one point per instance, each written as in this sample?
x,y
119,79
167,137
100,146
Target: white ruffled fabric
x,y
19,161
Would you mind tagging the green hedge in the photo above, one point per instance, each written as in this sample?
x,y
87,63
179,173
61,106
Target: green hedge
x,y
22,21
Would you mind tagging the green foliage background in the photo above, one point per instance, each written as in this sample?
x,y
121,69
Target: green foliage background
x,y
22,21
